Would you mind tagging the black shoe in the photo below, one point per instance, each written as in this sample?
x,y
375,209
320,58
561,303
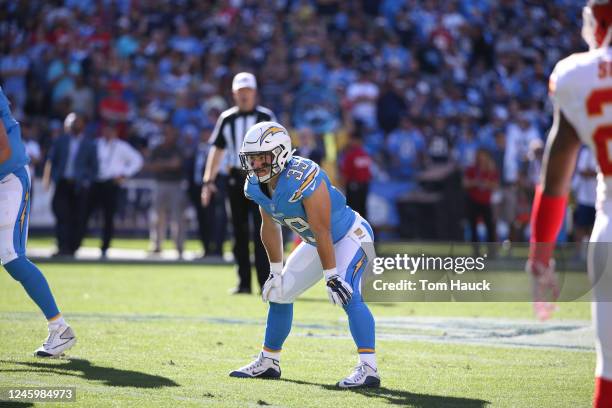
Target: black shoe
x,y
240,291
63,254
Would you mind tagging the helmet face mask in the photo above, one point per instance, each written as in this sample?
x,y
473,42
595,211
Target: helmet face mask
x,y
268,160
265,151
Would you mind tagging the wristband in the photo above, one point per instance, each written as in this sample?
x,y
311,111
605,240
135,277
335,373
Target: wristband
x,y
330,272
276,267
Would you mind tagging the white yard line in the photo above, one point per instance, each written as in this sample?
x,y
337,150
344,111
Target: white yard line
x,y
570,335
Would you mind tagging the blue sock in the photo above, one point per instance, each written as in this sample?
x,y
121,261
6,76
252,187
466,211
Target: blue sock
x,y
280,316
361,324
34,283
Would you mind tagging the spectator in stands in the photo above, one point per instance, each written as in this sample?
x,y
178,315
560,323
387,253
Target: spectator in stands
x,y
72,165
29,135
117,160
519,136
13,69
449,59
466,147
82,98
480,180
362,95
356,173
309,146
62,71
212,219
390,106
405,149
438,141
114,108
166,165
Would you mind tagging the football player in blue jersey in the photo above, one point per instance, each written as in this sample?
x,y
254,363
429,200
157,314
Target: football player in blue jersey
x,y
295,192
14,216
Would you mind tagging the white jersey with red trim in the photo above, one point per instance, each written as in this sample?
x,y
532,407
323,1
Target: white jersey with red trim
x,y
581,85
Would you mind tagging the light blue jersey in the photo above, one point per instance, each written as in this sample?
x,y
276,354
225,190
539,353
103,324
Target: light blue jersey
x,y
18,158
299,180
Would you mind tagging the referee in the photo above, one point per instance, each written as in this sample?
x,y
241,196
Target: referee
x,y
227,137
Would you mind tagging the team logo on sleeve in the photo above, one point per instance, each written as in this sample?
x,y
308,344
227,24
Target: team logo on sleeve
x,y
309,182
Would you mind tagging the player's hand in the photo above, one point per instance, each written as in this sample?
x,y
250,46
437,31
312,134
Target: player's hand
x,y
338,290
208,190
544,286
274,281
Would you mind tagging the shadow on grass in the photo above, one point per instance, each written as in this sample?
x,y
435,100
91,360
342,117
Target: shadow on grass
x,y
326,301
85,369
404,398
15,404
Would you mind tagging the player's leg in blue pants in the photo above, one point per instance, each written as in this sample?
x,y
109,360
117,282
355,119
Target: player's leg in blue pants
x,y
14,216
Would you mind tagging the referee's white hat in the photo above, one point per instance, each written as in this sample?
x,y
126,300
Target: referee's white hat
x,y
244,80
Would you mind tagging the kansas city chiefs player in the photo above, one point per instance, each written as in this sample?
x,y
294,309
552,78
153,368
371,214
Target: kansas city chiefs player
x,y
581,89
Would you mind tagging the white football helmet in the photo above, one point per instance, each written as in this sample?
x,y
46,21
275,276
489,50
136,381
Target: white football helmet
x,y
270,139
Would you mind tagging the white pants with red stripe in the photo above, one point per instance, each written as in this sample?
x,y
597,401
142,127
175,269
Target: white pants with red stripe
x,y
600,272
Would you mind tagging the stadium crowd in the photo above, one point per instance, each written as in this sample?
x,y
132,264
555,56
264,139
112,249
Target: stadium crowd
x,y
418,84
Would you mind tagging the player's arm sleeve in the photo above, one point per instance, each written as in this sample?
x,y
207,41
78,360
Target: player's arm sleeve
x,y
217,138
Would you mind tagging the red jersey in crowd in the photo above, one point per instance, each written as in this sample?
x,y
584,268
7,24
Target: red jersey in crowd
x,y
356,165
483,184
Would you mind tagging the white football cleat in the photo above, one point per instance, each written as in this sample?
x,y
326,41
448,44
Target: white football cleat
x,y
59,340
362,376
262,367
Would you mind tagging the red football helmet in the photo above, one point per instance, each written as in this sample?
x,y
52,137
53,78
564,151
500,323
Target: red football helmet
x,y
596,23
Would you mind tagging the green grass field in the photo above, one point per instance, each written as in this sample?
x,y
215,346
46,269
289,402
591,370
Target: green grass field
x,y
169,335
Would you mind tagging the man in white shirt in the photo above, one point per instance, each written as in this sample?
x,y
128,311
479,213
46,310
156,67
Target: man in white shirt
x,y
363,95
117,161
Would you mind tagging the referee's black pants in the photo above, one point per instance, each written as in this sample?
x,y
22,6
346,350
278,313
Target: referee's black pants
x,y
357,196
241,208
104,195
69,206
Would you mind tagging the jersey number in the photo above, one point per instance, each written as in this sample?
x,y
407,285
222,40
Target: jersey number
x,y
297,169
298,225
602,136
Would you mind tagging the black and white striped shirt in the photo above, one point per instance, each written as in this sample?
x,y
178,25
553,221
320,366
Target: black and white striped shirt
x,y
231,128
